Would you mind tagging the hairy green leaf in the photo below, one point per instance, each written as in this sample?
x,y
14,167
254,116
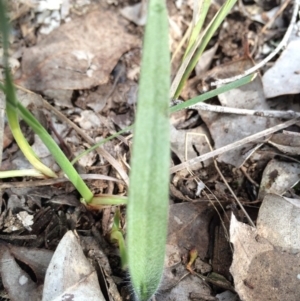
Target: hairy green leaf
x,y
147,211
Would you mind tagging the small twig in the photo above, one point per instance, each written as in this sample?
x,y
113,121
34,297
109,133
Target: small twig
x,y
64,147
233,194
244,171
281,45
222,284
271,21
218,212
49,182
17,237
233,145
111,91
265,113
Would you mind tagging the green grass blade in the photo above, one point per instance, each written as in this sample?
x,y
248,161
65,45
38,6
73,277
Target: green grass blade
x,y
117,235
107,199
119,238
147,212
203,9
200,46
8,86
240,82
13,121
4,29
84,153
57,153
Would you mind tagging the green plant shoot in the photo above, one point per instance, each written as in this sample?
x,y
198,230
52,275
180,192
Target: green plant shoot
x,y
194,53
116,235
199,15
11,112
147,213
14,107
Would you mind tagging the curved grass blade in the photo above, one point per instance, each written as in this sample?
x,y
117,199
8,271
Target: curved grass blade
x,y
147,212
57,153
21,173
13,121
84,153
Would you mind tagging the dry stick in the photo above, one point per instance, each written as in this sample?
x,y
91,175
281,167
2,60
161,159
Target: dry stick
x,y
18,237
49,182
244,171
281,45
233,145
219,214
101,151
109,94
265,113
233,194
279,12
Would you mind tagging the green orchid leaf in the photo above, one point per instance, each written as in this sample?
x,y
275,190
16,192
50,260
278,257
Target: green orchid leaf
x,y
148,203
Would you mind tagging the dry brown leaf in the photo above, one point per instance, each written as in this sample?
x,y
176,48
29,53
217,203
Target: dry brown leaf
x,y
283,77
37,259
188,228
266,259
278,221
287,142
78,55
278,177
17,281
70,275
